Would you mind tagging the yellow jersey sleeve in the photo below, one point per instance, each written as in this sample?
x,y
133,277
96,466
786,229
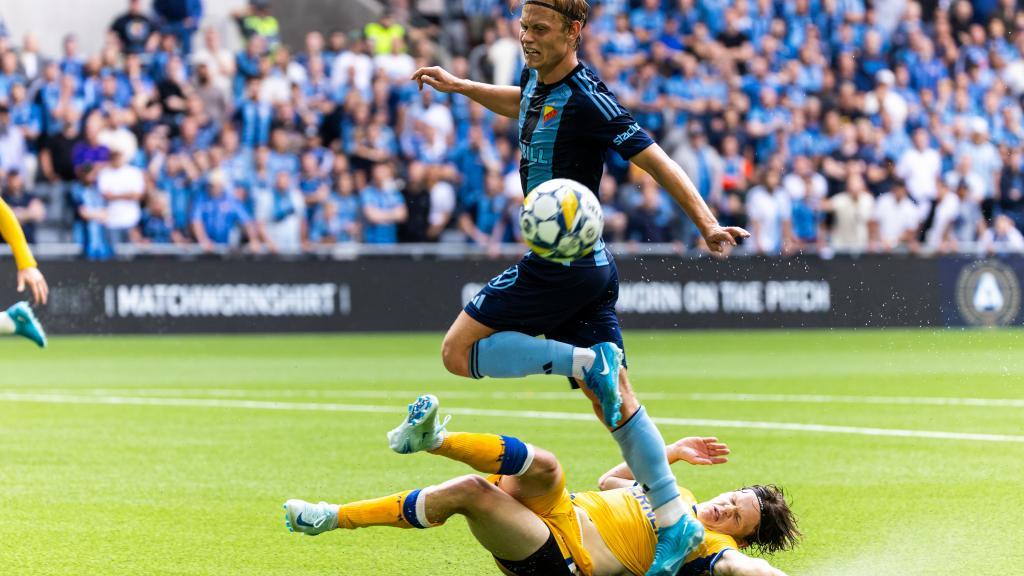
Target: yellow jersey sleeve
x,y
11,231
701,562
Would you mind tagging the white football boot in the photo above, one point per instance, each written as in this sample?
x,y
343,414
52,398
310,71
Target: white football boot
x,y
420,430
308,518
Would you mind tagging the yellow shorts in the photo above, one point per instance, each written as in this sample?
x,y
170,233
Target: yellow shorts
x,y
555,509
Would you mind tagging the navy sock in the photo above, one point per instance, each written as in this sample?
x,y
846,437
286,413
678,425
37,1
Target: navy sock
x,y
644,450
514,355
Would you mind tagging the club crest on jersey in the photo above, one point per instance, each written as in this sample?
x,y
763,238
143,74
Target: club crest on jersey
x,y
550,112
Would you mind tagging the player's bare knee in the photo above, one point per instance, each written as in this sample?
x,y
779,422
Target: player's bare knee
x,y
545,466
474,492
455,357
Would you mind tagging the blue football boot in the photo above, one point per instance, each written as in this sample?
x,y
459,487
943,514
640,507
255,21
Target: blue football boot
x,y
603,380
675,543
25,323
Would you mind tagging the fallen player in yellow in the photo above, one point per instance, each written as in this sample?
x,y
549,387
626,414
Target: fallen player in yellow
x,y
19,319
523,515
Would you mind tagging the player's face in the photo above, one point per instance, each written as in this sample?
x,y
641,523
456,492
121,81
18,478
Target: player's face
x,y
733,513
545,43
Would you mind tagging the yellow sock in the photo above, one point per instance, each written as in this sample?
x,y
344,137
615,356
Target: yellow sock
x,y
488,453
385,511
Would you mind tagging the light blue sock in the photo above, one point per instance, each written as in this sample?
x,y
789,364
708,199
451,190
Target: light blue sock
x,y
514,355
644,450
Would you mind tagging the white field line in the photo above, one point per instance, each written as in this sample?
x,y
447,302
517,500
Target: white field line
x,y
518,414
533,395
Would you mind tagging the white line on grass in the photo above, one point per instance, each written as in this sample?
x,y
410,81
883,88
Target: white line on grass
x,y
533,395
532,414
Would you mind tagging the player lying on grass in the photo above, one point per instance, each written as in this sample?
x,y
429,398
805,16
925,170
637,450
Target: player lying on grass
x,y
19,319
524,516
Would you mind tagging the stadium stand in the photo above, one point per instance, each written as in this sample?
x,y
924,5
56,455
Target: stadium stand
x,y
821,125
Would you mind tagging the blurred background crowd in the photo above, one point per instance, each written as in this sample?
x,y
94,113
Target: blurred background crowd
x,y
820,125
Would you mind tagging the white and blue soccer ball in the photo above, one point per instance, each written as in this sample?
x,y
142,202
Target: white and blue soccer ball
x,y
561,220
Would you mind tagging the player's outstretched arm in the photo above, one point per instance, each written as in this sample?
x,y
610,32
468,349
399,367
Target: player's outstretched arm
x,y
28,272
672,178
699,451
502,100
736,563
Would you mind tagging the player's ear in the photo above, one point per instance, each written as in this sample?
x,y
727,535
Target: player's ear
x,y
575,30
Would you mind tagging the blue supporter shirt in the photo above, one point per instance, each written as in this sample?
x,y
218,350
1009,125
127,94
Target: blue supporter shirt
x,y
471,167
220,216
926,74
337,227
49,97
766,145
6,81
156,229
805,220
489,211
27,115
254,122
387,199
179,193
652,20
282,162
238,168
92,234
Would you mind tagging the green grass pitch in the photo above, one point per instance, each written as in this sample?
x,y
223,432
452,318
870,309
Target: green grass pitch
x,y
94,481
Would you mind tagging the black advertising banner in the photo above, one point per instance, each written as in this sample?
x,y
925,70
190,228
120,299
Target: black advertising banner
x,y
981,292
400,294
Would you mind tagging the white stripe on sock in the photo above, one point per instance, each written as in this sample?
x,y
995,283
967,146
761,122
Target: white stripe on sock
x,y
421,507
527,462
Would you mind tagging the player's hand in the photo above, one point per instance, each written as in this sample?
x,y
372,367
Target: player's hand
x,y
34,278
437,78
718,238
698,451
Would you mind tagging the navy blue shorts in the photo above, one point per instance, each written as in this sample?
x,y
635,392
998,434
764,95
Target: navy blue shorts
x,y
575,305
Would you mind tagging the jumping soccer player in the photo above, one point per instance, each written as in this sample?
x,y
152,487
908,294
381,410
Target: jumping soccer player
x,y
568,119
524,516
19,319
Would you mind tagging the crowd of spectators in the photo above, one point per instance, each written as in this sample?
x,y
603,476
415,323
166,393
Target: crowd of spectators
x,y
829,125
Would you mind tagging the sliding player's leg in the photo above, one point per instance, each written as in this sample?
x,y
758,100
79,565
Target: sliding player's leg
x,y
532,476
520,541
505,527
423,431
19,320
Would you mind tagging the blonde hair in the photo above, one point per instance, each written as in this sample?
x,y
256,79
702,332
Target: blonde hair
x,y
570,11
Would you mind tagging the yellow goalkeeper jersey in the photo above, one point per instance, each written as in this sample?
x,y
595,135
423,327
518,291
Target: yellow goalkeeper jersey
x,y
11,231
625,520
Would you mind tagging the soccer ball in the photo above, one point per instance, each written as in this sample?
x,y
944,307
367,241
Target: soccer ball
x,y
561,220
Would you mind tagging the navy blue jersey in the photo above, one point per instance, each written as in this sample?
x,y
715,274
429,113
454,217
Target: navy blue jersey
x,y
565,131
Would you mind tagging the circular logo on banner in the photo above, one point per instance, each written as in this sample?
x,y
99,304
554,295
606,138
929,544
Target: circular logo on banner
x,y
988,294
